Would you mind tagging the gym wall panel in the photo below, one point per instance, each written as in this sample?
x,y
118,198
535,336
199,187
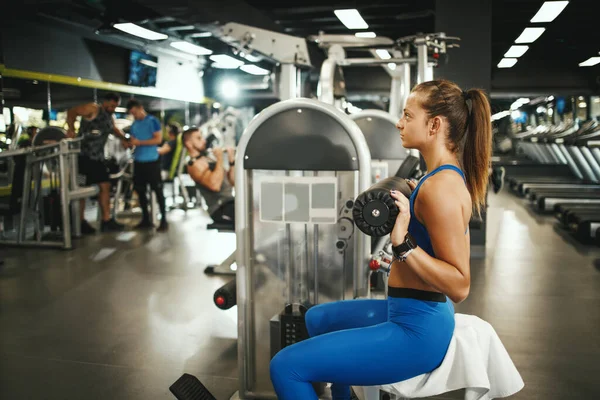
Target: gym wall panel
x,y
470,65
43,48
52,47
364,79
178,77
532,75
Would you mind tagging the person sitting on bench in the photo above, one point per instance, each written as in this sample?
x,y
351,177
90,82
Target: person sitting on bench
x,y
208,171
369,342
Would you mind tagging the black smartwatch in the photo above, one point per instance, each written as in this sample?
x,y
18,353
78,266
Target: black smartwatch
x,y
405,248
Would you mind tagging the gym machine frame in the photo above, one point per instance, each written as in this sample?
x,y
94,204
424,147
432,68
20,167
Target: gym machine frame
x,y
401,57
65,154
290,52
246,218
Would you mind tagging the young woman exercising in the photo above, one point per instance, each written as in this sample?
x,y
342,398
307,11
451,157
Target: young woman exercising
x,y
368,342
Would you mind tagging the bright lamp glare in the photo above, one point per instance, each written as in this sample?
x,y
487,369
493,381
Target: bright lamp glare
x,y
191,48
229,89
138,31
530,35
516,51
507,63
392,66
254,70
500,115
351,19
383,54
549,11
368,35
226,61
590,62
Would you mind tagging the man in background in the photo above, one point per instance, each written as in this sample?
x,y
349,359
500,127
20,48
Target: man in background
x,y
97,122
146,135
213,181
167,150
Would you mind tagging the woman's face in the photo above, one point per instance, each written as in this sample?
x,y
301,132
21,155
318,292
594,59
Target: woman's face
x,y
413,125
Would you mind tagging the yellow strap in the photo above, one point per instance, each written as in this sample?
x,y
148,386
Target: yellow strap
x,y
176,156
6,190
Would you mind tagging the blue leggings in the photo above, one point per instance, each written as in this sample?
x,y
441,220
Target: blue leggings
x,y
364,342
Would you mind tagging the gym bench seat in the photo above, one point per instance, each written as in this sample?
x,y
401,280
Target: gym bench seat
x,y
476,361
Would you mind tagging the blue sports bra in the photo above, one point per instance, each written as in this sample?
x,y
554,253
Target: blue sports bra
x,y
416,228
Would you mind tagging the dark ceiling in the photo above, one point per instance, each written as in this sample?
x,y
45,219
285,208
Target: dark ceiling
x,y
550,64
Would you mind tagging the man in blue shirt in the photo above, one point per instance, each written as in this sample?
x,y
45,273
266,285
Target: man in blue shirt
x,y
146,135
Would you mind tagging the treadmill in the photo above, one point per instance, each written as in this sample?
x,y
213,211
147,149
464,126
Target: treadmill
x,y
586,192
556,165
563,212
579,159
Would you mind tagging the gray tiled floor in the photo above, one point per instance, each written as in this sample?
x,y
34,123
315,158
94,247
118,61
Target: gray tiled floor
x,y
123,317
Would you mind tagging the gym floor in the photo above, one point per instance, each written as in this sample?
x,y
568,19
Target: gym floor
x,y
124,315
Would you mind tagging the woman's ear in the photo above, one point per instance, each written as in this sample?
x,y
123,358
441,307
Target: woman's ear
x,y
435,125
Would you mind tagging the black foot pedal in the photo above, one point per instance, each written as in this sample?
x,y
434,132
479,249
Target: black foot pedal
x,y
188,387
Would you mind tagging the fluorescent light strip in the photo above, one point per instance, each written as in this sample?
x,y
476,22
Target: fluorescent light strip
x,y
590,62
138,31
351,18
392,66
191,48
224,61
530,35
369,35
149,63
383,54
500,115
516,51
200,35
224,66
549,11
254,70
507,63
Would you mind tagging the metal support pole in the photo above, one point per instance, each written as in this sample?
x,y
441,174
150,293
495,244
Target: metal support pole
x,y
396,97
423,70
299,83
64,193
25,199
49,101
287,83
326,81
406,84
75,205
187,113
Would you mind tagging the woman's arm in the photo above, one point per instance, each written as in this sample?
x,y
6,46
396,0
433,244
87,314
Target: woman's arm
x,y
440,207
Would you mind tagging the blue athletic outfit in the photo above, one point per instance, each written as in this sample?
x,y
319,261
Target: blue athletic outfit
x,y
144,130
146,168
368,342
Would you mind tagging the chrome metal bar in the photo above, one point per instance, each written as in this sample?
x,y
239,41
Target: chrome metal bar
x,y
316,261
64,198
75,204
25,199
366,62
